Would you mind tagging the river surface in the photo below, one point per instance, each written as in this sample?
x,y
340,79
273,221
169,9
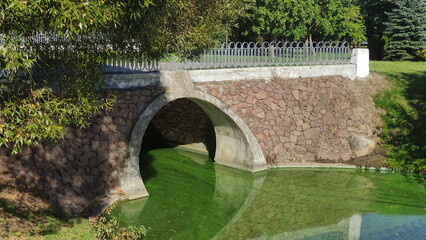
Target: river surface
x,y
193,198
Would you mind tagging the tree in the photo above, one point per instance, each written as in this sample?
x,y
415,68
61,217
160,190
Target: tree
x,y
30,111
406,30
193,25
375,18
151,25
19,20
297,20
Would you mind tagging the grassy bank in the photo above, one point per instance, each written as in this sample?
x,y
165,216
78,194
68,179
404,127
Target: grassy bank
x,y
26,216
404,132
26,213
21,222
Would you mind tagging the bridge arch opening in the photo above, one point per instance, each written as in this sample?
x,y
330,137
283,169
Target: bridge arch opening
x,y
234,144
184,124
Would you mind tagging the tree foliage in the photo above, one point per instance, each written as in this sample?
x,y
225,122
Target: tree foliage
x,y
42,115
192,25
375,18
391,24
19,20
297,20
30,111
406,30
152,26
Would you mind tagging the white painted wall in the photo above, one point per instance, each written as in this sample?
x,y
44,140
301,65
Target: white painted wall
x,y
268,73
361,59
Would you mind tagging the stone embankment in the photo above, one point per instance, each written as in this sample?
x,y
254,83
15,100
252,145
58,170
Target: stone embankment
x,y
324,119
85,164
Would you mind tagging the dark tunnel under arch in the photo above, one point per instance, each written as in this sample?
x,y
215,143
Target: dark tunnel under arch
x,y
235,144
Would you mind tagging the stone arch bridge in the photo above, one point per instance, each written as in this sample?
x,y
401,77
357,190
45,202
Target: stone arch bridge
x,y
261,117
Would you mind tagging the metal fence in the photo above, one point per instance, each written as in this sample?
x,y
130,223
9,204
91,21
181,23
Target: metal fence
x,y
240,55
131,59
266,54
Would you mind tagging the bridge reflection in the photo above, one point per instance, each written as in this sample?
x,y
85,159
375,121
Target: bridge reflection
x,y
191,201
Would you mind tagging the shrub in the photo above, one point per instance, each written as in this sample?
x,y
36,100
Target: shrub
x,y
107,228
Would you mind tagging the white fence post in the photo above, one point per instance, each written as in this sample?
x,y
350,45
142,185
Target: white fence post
x,y
360,57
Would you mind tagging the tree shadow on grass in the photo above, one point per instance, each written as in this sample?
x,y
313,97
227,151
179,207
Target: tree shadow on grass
x,y
38,222
404,133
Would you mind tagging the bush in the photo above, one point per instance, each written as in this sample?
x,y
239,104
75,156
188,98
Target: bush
x,y
108,228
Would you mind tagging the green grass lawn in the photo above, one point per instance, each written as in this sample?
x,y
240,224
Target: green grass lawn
x,y
24,223
404,132
75,229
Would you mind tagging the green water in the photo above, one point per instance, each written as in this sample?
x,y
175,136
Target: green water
x,y
192,198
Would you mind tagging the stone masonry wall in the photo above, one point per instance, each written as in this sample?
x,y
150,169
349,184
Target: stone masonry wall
x,y
300,120
296,120
84,165
183,122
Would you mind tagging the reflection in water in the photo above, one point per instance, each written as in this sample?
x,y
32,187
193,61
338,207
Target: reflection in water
x,y
195,199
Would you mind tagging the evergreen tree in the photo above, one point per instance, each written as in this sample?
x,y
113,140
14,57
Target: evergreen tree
x,y
406,30
375,19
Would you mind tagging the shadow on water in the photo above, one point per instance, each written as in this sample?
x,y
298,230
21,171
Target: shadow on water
x,y
152,140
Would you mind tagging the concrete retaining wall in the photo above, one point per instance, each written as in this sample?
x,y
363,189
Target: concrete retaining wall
x,y
268,73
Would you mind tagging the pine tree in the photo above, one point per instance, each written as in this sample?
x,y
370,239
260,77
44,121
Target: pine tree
x,y
406,30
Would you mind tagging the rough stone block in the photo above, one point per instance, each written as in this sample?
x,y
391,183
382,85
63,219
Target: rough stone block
x,y
105,167
361,146
94,172
261,95
311,133
95,145
329,119
295,94
341,134
65,177
69,136
93,162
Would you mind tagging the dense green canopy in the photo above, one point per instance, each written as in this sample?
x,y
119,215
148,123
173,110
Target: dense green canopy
x,y
30,111
394,28
406,30
297,20
153,26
